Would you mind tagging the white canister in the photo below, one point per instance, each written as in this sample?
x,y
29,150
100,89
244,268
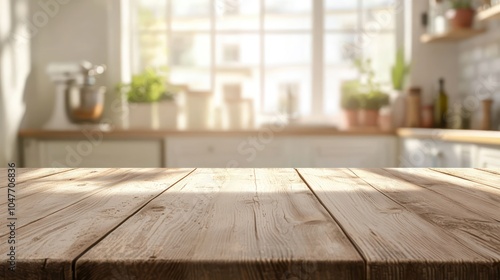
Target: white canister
x,y
239,114
199,110
168,115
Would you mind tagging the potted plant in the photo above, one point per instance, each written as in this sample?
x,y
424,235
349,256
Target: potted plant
x,y
350,102
398,74
148,99
370,107
462,14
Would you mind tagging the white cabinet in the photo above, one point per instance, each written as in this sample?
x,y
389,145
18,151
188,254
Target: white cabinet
x,y
222,152
258,150
293,151
85,153
348,151
487,157
422,153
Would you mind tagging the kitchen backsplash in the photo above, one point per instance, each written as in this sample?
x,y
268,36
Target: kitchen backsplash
x,y
479,62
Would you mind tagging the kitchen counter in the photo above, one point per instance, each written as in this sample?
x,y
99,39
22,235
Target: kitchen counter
x,y
255,224
155,134
452,135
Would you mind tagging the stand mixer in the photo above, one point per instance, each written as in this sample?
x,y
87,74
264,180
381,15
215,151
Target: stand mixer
x,y
78,101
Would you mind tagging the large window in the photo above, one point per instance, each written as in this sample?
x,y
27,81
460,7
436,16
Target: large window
x,y
271,51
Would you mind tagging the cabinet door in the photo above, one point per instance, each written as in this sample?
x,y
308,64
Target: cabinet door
x,y
342,151
422,153
452,155
222,152
488,157
84,153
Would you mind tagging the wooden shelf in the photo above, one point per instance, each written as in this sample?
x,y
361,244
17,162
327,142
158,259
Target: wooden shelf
x,y
451,36
489,14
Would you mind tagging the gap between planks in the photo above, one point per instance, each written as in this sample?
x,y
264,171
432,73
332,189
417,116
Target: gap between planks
x,y
20,175
354,244
73,263
443,256
485,177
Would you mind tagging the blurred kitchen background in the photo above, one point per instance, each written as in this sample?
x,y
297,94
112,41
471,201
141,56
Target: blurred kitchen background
x,y
250,83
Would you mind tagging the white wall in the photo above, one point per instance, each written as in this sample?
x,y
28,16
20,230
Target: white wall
x,y
75,31
432,61
14,69
479,72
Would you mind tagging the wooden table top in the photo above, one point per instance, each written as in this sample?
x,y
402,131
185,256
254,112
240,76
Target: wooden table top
x,y
486,137
254,224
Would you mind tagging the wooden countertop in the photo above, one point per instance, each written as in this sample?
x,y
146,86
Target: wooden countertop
x,y
156,134
254,224
453,135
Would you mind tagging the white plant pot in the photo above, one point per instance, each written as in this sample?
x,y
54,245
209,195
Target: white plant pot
x,y
143,115
168,115
398,108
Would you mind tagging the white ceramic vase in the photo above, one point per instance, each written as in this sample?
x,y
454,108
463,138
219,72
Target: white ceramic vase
x,y
398,108
168,115
143,116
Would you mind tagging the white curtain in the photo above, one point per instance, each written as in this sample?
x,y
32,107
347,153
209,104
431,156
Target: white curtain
x,y
14,70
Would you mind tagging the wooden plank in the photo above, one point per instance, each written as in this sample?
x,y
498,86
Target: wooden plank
x,y
478,233
26,174
395,242
491,170
46,248
227,224
474,175
479,198
161,134
41,197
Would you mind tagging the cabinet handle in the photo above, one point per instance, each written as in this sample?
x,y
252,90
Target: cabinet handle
x,y
211,149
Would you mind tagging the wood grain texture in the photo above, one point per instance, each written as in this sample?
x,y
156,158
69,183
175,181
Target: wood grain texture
x,y
491,170
477,197
160,134
227,224
485,177
396,242
26,174
479,233
47,247
452,135
44,196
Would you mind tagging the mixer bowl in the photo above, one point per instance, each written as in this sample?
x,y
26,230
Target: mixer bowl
x,y
85,104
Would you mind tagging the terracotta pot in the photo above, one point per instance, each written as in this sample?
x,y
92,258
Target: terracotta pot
x,y
369,117
463,18
352,119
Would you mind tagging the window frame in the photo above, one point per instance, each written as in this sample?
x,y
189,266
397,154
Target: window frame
x,y
318,33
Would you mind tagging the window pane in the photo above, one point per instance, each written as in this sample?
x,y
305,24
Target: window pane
x,y
379,15
341,15
341,48
190,50
237,14
286,49
288,87
379,3
377,44
238,67
335,76
190,14
152,50
151,15
288,14
238,50
194,78
190,60
189,8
